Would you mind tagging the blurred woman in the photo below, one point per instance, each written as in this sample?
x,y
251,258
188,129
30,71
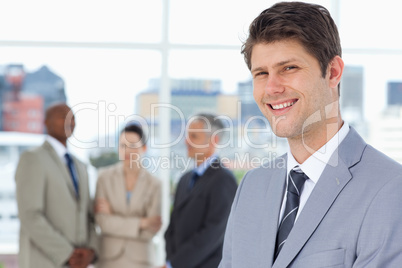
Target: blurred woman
x,y
128,206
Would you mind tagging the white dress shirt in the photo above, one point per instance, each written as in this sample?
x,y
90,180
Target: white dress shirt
x,y
60,149
313,167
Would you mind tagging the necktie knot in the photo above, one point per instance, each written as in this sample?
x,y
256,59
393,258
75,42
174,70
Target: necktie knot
x,y
193,179
68,157
296,181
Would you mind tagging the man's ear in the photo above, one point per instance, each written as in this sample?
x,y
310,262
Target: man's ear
x,y
335,71
215,139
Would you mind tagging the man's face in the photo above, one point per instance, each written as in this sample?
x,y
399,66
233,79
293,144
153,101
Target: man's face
x,y
61,123
289,87
198,140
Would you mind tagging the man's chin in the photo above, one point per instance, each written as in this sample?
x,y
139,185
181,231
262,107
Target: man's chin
x,y
281,134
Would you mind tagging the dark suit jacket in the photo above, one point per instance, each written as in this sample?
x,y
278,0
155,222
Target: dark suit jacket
x,y
194,238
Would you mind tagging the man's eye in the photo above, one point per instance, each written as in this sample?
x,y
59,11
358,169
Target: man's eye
x,y
260,74
290,68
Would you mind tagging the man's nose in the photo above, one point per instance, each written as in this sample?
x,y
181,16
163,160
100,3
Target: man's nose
x,y
274,85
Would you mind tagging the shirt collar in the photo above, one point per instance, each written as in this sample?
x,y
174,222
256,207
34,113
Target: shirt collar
x,y
60,149
315,164
200,170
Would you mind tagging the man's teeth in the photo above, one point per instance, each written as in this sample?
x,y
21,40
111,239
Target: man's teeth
x,y
283,105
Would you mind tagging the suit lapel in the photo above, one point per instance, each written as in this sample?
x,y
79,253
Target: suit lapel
x,y
118,189
274,194
182,190
202,183
82,182
138,193
62,167
318,204
333,179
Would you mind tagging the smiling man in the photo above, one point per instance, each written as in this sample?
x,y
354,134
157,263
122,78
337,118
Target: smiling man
x,y
334,203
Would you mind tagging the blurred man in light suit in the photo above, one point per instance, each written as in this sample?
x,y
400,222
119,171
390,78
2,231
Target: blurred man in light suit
x,y
54,206
332,200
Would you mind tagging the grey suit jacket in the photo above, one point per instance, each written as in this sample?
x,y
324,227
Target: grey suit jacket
x,y
122,236
53,221
351,219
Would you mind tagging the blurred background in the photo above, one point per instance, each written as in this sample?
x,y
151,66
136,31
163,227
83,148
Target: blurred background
x,y
157,62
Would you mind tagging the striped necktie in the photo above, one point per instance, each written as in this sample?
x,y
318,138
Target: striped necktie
x,y
295,183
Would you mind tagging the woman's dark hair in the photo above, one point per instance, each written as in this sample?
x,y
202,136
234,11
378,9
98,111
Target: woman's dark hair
x,y
135,129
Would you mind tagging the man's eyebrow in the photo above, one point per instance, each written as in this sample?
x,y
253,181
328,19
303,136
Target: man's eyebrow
x,y
279,64
257,69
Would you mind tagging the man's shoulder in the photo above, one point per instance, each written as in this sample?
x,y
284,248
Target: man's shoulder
x,y
270,166
37,151
185,176
34,159
376,161
258,178
218,168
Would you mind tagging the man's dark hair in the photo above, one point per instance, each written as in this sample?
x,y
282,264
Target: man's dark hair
x,y
309,24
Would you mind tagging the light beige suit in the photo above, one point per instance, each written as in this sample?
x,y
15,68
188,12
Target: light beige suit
x,y
53,220
123,243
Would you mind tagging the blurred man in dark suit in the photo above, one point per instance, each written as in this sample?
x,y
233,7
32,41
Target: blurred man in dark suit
x,y
202,202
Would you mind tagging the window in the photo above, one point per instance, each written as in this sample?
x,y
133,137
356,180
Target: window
x,y
115,57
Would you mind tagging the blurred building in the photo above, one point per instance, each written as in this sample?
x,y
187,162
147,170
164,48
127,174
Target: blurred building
x,y
46,84
394,93
188,97
24,96
386,132
386,129
352,98
12,79
24,114
248,106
